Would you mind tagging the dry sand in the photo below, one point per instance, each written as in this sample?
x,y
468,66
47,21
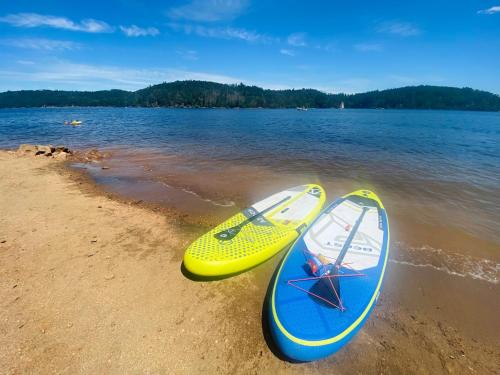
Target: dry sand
x,y
93,285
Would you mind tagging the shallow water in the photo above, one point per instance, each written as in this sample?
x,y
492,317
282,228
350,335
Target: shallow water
x,y
438,172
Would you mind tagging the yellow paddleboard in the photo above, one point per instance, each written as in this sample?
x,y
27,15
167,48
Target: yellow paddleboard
x,y
255,234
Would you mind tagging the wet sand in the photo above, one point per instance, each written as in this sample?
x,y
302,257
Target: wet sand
x,y
93,284
443,229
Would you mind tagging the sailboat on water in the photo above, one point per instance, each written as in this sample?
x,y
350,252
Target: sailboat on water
x,y
341,105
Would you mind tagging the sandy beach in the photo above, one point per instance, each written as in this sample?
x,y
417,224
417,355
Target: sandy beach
x,y
94,284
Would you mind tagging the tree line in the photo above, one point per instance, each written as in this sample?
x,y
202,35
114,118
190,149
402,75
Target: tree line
x,y
211,94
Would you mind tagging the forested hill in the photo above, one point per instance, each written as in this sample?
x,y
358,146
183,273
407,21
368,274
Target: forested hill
x,y
210,94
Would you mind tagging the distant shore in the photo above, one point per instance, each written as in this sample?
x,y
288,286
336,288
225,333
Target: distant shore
x,y
202,94
93,284
245,108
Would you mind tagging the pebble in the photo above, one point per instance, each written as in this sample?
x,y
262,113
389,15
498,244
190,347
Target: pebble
x,y
109,277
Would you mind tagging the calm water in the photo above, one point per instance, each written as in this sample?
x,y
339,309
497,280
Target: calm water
x,y
448,159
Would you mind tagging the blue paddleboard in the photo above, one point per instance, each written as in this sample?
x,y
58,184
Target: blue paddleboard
x,y
330,279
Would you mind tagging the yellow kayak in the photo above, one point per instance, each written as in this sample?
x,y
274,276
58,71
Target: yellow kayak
x,y
255,234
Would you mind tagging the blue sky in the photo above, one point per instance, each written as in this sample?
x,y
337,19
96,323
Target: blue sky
x,y
334,46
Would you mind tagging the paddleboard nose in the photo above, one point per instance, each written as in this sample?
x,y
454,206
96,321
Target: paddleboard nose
x,y
369,195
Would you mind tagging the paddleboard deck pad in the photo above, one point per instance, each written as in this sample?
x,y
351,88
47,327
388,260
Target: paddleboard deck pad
x,y
313,316
255,234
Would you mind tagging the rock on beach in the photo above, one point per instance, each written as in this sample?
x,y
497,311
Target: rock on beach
x,y
58,152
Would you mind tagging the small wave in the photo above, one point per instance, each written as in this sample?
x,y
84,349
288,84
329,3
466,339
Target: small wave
x,y
215,203
451,263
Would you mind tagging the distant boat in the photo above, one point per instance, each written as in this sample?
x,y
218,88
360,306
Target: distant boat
x,y
302,109
341,105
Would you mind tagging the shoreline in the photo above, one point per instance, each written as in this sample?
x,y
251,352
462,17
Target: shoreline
x,y
136,311
196,93
409,239
259,108
201,190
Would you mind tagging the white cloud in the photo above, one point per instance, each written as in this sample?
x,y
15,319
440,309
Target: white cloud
x,y
209,10
188,54
58,74
222,33
94,26
135,31
287,52
492,10
399,28
36,20
325,46
41,44
66,75
368,47
297,39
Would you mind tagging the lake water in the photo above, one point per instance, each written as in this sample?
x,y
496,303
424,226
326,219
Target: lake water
x,y
438,172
